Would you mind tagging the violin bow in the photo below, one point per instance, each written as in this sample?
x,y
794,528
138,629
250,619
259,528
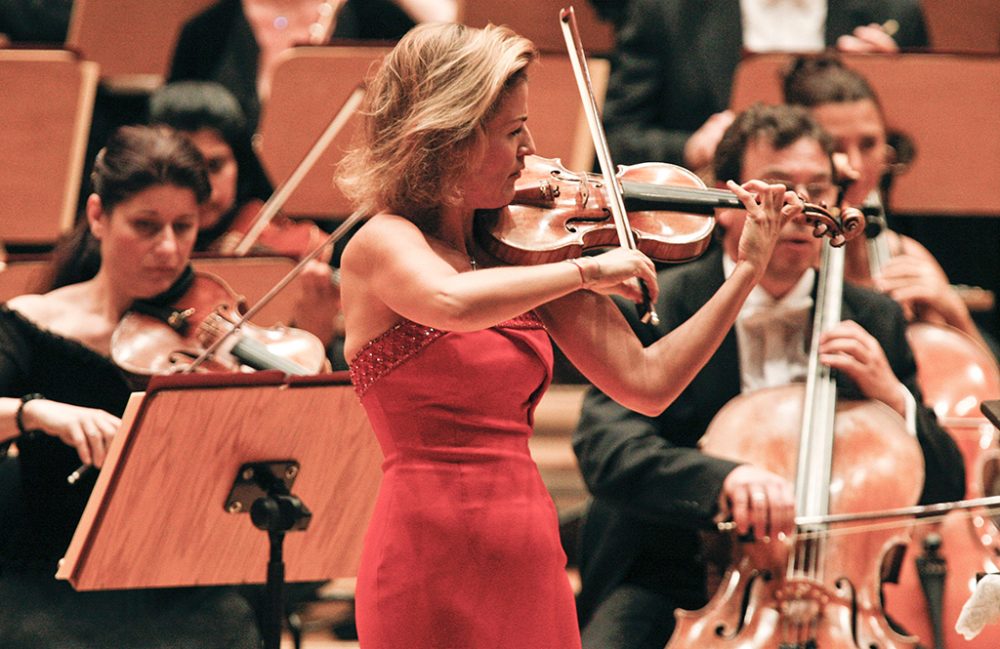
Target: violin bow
x,y
574,47
339,233
925,514
281,195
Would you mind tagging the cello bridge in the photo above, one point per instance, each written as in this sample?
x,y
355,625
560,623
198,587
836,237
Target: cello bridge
x,y
801,602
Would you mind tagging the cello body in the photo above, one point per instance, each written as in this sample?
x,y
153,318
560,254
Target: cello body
x,y
763,602
955,374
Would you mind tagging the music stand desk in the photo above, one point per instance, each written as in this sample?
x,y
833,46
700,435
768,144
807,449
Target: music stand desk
x,y
158,513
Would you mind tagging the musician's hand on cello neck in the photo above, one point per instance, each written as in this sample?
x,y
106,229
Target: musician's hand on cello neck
x,y
758,502
850,349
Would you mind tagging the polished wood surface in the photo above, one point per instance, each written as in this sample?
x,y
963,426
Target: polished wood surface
x,y
965,26
132,40
46,104
538,20
157,515
251,277
946,103
309,86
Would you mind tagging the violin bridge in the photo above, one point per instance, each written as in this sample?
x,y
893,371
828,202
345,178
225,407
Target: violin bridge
x,y
177,320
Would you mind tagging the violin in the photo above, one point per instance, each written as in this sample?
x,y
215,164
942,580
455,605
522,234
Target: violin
x,y
167,334
281,236
557,214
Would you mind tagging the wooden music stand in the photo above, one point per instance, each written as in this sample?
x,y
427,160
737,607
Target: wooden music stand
x,y
164,510
132,40
310,85
46,103
957,166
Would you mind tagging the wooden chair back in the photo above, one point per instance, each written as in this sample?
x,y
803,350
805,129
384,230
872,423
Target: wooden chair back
x,y
46,103
133,40
538,20
250,277
975,27
946,103
312,83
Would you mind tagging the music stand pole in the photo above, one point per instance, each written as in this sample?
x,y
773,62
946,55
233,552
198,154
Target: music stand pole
x,y
263,489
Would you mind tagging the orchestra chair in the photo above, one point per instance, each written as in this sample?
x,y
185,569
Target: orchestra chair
x,y
946,103
538,20
312,83
133,40
46,106
968,26
250,277
21,277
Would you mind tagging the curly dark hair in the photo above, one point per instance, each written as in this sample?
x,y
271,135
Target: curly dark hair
x,y
780,125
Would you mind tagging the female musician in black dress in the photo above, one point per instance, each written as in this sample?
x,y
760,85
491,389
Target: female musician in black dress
x,y
62,398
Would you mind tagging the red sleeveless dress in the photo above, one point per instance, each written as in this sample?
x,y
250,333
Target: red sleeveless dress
x,y
463,548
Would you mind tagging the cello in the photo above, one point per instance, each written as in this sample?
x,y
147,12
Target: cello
x,y
816,588
955,374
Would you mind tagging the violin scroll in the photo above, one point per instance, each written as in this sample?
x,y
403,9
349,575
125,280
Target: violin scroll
x,y
840,225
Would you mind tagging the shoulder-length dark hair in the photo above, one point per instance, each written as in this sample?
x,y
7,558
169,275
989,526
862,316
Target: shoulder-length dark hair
x,y
135,158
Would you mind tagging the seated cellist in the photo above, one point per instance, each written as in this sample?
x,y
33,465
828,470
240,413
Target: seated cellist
x,y
846,106
653,489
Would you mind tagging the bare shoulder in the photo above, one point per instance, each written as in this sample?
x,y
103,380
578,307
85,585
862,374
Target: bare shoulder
x,y
45,310
383,237
40,309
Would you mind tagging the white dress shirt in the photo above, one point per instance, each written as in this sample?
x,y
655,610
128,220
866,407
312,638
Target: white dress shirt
x,y
783,25
771,337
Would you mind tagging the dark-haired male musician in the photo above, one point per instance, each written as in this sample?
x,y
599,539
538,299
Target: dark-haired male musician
x,y
652,487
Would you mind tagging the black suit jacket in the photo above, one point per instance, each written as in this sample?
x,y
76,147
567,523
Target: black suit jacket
x,y
675,59
653,489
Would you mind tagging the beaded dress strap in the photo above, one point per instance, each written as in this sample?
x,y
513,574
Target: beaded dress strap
x,y
400,342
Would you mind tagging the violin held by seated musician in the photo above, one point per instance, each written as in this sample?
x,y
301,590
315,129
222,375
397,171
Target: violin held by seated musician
x,y
183,329
63,396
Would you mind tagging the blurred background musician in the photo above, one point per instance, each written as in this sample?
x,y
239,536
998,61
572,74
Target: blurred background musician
x,y
35,21
845,105
673,63
640,555
62,399
237,42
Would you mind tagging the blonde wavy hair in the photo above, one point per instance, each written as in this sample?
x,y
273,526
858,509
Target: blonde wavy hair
x,y
424,112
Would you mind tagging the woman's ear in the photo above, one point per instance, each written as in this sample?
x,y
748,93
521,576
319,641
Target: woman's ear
x,y
96,218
